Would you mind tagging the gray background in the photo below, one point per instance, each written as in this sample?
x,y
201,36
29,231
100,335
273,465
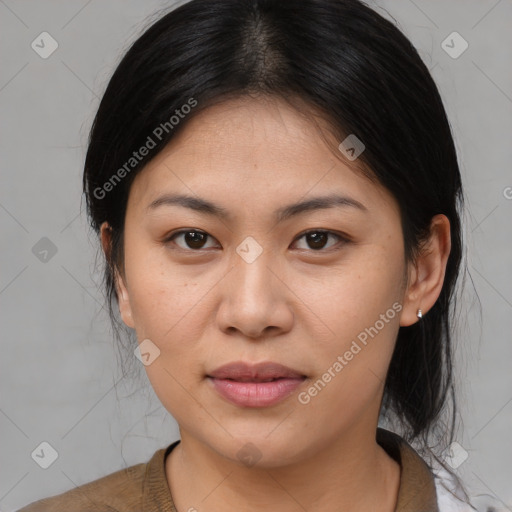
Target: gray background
x,y
59,372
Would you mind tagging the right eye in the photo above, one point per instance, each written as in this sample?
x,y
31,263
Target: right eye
x,y
190,239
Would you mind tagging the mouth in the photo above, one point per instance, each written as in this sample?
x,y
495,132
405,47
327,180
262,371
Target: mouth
x,y
259,385
261,372
255,379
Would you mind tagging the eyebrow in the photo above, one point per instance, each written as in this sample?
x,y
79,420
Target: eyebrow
x,y
208,208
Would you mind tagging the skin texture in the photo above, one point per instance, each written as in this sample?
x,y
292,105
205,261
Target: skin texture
x,y
293,305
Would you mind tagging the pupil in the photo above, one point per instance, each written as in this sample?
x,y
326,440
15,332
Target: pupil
x,y
317,240
194,239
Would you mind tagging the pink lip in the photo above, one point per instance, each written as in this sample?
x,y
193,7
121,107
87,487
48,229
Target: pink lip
x,y
243,384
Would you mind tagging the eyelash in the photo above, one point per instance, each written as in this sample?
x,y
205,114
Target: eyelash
x,y
340,237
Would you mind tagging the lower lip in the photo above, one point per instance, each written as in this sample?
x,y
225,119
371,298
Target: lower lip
x,y
255,394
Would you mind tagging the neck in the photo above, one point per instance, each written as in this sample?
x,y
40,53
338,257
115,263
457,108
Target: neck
x,y
354,473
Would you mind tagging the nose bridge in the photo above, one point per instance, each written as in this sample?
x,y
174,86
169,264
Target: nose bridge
x,y
253,298
252,277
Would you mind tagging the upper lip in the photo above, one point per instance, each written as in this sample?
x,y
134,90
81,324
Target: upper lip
x,y
254,372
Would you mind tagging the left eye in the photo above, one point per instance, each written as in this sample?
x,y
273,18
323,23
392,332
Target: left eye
x,y
318,240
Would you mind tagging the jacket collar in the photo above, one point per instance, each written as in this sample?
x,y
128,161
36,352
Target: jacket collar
x,y
417,491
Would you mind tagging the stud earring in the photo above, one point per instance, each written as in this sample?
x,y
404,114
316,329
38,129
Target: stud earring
x,y
419,314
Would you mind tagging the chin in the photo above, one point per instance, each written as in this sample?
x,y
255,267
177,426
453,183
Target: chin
x,y
258,449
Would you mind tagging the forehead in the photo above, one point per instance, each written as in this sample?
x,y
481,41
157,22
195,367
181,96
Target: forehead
x,y
245,146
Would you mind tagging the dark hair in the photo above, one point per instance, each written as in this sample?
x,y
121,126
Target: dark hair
x,y
347,63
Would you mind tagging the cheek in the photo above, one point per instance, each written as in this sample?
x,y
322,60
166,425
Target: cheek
x,y
169,309
351,297
359,306
172,317
162,296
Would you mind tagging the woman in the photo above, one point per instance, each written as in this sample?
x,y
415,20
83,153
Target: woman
x,y
277,195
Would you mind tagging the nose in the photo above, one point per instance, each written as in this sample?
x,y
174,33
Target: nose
x,y
256,301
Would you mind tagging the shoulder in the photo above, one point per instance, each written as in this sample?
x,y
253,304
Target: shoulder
x,y
121,491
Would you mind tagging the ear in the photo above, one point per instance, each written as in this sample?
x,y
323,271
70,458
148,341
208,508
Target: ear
x,y
122,292
426,275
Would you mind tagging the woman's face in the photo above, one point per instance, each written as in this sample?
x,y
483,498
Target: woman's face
x,y
227,273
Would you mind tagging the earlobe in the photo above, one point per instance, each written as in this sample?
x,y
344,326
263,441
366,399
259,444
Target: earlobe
x,y
123,298
427,274
412,297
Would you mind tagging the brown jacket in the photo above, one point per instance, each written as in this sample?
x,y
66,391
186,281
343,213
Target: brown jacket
x,y
144,488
